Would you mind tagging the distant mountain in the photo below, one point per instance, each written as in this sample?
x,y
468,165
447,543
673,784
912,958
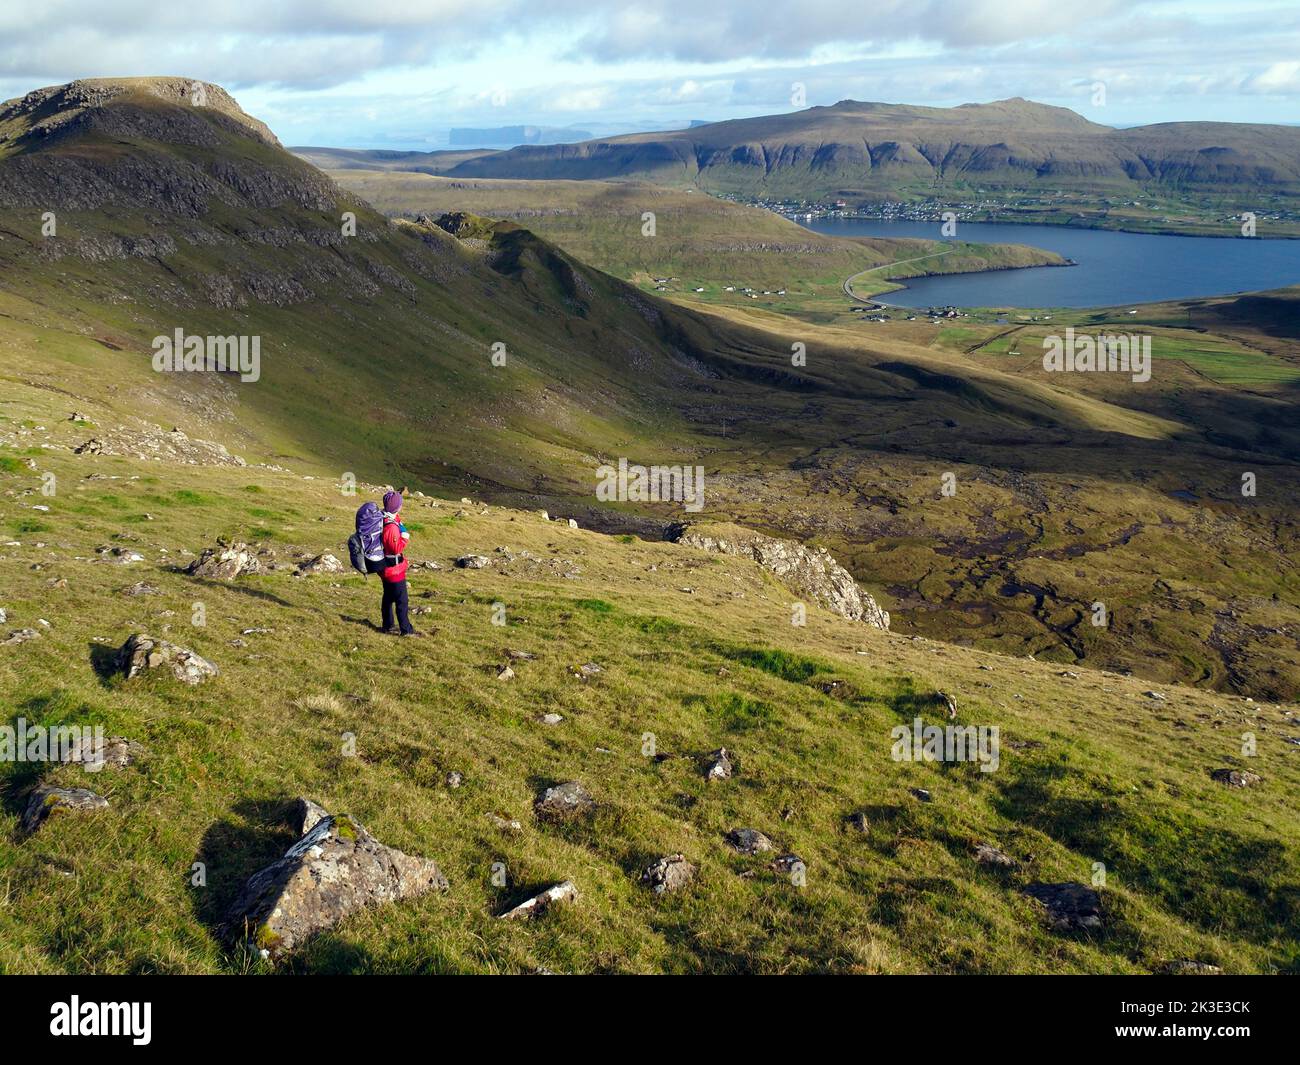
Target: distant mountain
x,y
510,136
867,149
381,159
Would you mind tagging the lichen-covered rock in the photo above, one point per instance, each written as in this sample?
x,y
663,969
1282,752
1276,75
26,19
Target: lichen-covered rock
x,y
142,652
473,561
225,562
811,572
987,854
564,802
21,636
565,891
46,801
1071,907
334,870
668,874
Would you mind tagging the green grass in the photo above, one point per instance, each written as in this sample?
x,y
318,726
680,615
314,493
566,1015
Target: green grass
x,y
1193,870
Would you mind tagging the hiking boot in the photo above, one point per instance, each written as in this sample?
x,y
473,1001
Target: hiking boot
x,y
417,635
388,632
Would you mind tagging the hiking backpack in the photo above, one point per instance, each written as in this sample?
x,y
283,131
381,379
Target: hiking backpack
x,y
367,541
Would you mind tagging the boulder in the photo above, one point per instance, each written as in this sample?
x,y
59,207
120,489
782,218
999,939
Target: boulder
x,y
325,563
564,802
810,572
748,840
668,874
472,561
987,854
46,801
786,864
21,636
858,821
1071,907
565,891
225,562
1236,778
142,652
334,870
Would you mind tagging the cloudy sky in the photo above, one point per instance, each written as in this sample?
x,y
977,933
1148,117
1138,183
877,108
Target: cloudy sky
x,y
401,73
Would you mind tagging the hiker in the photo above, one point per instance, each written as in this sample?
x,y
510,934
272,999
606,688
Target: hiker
x,y
392,568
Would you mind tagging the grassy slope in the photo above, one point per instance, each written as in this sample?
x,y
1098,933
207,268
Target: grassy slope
x,y
699,241
1193,869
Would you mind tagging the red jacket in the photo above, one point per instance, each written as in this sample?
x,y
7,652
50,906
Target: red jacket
x,y
395,539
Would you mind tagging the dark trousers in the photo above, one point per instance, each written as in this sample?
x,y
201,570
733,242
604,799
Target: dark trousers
x,y
395,601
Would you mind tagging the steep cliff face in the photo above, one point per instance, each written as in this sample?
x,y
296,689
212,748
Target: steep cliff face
x,y
807,571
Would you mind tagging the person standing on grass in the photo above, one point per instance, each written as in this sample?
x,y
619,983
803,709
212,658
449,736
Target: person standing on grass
x,y
393,574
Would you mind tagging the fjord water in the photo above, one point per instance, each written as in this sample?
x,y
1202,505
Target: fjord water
x,y
1113,268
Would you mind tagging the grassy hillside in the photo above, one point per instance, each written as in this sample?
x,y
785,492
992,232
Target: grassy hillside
x,y
696,649
377,360
702,250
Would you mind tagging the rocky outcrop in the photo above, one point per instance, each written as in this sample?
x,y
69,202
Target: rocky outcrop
x,y
325,563
142,652
225,562
810,572
334,870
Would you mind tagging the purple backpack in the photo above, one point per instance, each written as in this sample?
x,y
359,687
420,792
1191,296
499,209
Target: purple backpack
x,y
367,541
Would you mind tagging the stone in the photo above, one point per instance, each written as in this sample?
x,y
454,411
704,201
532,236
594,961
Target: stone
x,y
668,874
588,670
786,864
1236,778
987,854
142,652
334,870
505,673
564,802
748,840
858,821
117,752
454,780
22,636
225,562
46,801
505,824
1186,967
519,656
718,765
1071,906
551,719
949,702
572,524
472,561
3,615
921,794
563,892
325,563
141,588
810,572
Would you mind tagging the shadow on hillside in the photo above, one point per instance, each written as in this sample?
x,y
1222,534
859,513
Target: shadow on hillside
x,y
257,832
364,622
1218,880
104,661
244,589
